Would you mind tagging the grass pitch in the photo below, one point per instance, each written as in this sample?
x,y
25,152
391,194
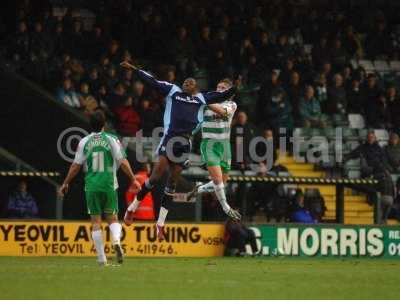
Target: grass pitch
x,y
187,278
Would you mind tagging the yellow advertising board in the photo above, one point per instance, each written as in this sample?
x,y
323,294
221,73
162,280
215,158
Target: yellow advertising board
x,y
74,239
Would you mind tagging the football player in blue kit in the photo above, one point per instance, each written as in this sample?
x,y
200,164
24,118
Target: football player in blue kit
x,y
183,113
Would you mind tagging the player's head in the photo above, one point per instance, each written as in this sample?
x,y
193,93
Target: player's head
x,y
97,121
190,86
224,84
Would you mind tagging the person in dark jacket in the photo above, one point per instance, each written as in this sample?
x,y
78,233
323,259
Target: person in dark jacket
x,y
278,111
392,151
21,204
241,134
374,163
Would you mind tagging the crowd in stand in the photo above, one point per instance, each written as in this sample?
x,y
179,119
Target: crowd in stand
x,y
291,63
261,44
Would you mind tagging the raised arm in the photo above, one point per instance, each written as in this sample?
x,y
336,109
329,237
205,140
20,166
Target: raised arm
x,y
161,86
216,97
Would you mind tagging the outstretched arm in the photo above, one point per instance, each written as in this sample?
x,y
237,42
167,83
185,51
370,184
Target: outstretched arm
x,y
161,86
216,97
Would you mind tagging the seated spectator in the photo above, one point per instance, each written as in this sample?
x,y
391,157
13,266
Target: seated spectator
x,y
241,135
21,204
310,110
378,113
374,163
337,102
262,151
394,107
393,152
299,213
150,117
67,95
355,98
352,43
338,54
88,102
278,111
127,119
94,79
321,91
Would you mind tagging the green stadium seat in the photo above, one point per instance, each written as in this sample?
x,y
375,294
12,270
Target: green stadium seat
x,y
350,134
340,120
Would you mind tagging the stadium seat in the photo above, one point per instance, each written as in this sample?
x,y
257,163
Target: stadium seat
x,y
367,65
381,135
356,121
340,120
381,66
354,64
350,134
395,65
362,134
308,48
354,174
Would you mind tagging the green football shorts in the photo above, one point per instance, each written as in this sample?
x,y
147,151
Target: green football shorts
x,y
99,202
216,153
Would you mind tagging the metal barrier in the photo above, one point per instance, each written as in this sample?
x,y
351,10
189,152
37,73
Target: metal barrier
x,y
339,183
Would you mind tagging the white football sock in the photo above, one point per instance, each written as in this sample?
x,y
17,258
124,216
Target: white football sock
x,y
220,193
162,215
134,205
115,230
97,237
206,188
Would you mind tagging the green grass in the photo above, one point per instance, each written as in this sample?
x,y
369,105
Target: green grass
x,y
187,278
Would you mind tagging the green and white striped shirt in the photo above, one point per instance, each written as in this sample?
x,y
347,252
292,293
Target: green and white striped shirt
x,y
215,126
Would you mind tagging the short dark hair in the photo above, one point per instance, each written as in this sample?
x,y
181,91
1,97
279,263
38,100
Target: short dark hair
x,y
97,120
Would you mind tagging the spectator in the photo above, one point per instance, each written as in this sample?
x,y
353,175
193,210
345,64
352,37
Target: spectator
x,y
76,40
378,114
264,50
59,41
278,111
321,91
41,45
378,42
294,92
352,43
127,119
320,52
374,163
204,46
94,79
150,117
67,95
241,135
393,101
299,213
20,43
264,95
88,102
338,55
337,102
393,152
310,109
355,99
21,204
181,49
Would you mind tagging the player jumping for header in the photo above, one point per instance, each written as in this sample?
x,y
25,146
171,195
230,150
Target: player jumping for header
x,y
183,113
216,148
102,154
